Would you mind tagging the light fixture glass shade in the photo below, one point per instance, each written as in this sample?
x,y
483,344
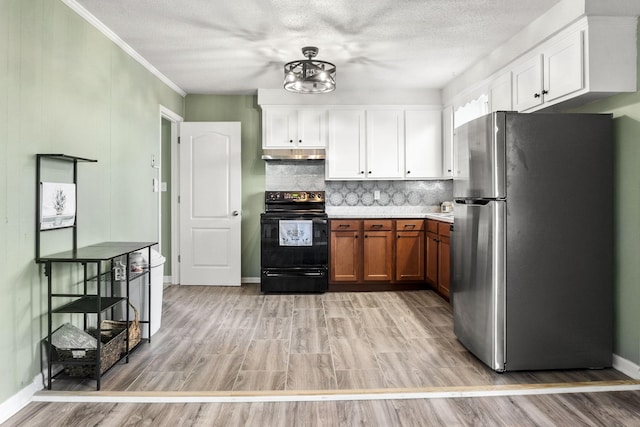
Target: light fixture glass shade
x,y
309,75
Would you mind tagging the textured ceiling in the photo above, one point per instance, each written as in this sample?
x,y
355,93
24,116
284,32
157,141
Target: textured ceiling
x,y
237,46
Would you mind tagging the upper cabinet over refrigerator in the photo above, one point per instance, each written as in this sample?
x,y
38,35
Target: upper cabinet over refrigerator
x,y
480,159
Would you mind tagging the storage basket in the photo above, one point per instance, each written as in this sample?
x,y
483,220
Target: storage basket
x,y
112,341
134,329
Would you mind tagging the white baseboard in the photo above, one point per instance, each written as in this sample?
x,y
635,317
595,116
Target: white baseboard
x,y
627,367
12,405
167,280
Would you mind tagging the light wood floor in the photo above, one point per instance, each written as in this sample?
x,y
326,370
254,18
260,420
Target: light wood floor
x,y
235,339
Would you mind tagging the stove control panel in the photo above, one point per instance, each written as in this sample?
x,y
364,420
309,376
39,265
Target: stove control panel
x,y
294,196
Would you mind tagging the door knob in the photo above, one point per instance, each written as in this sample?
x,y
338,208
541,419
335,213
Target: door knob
x,y
235,213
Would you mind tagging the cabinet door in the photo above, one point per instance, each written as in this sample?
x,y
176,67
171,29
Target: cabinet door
x,y
345,147
564,67
345,256
444,265
378,255
280,128
527,84
500,93
423,144
409,256
312,128
432,259
447,142
385,144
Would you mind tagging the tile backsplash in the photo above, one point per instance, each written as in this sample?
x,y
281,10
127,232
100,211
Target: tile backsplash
x,y
309,175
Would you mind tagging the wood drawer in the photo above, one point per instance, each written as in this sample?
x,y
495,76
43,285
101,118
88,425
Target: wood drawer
x,y
378,225
345,224
409,225
432,226
444,229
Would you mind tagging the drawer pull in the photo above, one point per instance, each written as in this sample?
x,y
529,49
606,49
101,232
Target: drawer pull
x,y
343,225
409,226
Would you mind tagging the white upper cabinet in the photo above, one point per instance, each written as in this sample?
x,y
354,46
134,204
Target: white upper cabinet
x,y
563,67
294,127
447,142
346,144
527,83
423,144
380,143
385,144
500,93
555,72
594,57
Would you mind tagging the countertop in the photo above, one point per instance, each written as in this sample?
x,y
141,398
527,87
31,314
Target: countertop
x,y
389,212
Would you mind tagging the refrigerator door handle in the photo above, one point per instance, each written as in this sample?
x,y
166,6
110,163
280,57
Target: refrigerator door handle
x,y
474,202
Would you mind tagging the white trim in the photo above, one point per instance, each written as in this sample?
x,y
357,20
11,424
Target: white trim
x,y
249,280
15,403
319,396
31,393
91,19
627,367
175,119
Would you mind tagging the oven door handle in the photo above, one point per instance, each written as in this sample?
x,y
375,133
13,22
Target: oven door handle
x,y
268,273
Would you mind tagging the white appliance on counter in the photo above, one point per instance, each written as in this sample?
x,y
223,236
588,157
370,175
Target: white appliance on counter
x,y
532,244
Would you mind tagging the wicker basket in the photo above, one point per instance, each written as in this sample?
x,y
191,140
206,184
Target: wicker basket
x,y
134,329
110,352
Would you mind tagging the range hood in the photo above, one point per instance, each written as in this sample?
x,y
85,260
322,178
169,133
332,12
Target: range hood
x,y
293,154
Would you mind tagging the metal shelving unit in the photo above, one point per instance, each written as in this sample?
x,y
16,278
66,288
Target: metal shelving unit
x,y
98,264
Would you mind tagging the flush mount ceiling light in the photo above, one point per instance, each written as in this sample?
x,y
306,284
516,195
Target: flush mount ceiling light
x,y
309,75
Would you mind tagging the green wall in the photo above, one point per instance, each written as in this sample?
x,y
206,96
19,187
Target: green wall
x,y
242,108
66,88
626,112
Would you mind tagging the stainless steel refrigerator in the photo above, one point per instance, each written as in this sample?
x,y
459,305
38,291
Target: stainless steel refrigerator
x,y
532,242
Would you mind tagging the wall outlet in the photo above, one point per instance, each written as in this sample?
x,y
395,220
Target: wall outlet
x,y
376,195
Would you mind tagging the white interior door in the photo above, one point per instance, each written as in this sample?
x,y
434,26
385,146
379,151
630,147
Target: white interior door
x,y
210,203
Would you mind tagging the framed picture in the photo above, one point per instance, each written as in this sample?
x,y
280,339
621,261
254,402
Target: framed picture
x,y
57,205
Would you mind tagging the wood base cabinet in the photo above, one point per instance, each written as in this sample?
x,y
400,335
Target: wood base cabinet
x,y
438,258
345,254
410,245
377,252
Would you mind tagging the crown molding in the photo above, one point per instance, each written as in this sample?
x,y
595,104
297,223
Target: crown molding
x,y
91,19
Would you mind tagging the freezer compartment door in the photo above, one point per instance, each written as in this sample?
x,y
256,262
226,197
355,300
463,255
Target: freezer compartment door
x,y
479,158
478,279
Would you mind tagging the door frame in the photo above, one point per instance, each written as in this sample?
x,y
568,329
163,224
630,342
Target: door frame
x,y
175,119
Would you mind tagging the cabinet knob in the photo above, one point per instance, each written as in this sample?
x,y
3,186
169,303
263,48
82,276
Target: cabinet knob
x,y
362,172
369,171
291,141
365,236
536,95
544,92
299,141
408,172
